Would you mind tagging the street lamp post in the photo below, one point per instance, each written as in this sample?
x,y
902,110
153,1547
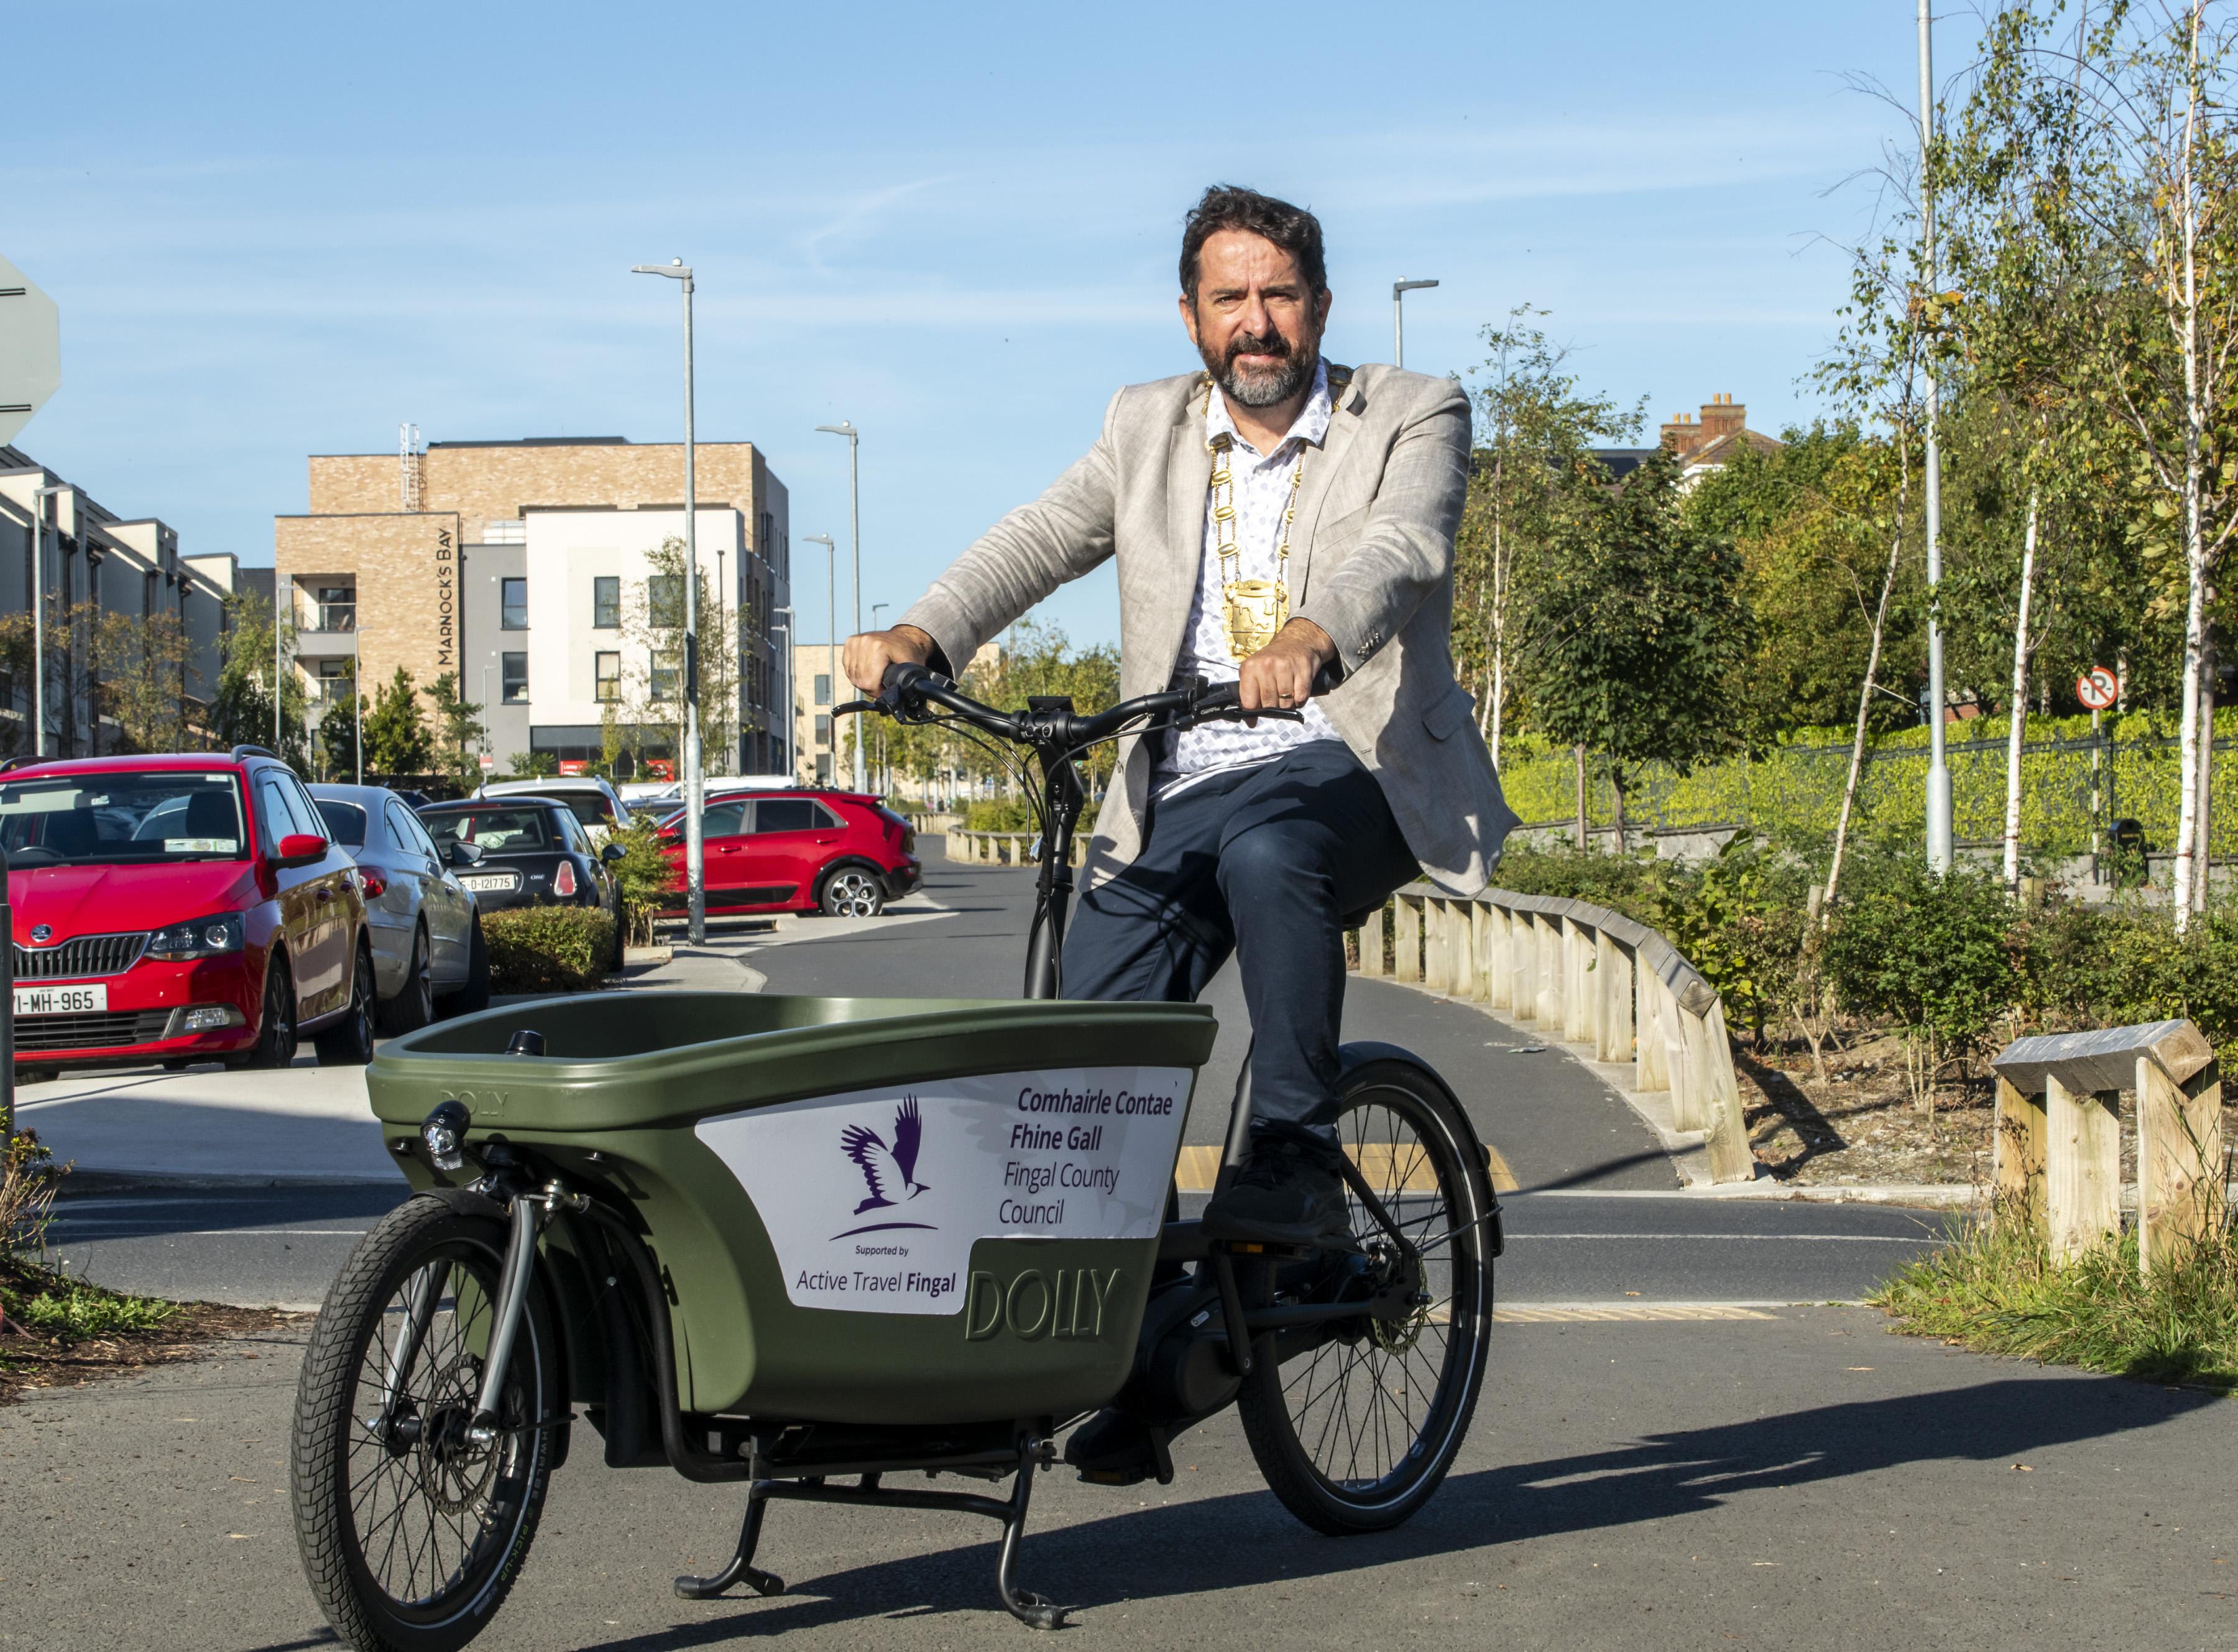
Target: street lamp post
x,y
788,766
1939,768
1399,291
695,852
39,497
855,533
831,666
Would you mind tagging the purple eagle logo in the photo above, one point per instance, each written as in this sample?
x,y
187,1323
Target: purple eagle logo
x,y
890,1171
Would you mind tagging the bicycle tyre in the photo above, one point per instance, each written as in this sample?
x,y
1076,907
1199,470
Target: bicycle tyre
x,y
336,1478
1397,1103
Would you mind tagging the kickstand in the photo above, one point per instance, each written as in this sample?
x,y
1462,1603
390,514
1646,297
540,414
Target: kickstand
x,y
1034,1610
741,1568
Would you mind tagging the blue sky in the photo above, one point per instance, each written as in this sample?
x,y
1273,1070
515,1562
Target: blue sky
x,y
277,231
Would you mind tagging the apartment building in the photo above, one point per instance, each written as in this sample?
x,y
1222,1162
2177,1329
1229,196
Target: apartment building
x,y
90,555
524,567
825,756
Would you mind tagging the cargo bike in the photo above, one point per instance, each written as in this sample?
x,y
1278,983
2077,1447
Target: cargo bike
x,y
812,1245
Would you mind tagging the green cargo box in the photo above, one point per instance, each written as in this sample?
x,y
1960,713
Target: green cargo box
x,y
868,1209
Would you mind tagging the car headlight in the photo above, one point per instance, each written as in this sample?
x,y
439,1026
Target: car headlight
x,y
203,938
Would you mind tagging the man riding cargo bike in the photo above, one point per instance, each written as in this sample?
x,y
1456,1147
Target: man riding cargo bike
x,y
794,1242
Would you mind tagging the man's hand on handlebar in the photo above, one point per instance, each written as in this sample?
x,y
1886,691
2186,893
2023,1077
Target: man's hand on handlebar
x,y
1280,675
868,654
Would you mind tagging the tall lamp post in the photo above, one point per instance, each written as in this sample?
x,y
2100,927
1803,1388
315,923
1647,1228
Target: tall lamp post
x,y
831,669
39,497
787,766
855,534
1939,768
1399,291
695,847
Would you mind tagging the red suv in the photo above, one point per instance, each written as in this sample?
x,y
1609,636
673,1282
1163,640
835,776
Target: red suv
x,y
180,909
843,852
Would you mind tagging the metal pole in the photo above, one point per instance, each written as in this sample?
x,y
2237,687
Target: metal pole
x,y
695,840
357,695
1399,291
39,497
855,535
277,662
787,765
7,1012
1939,768
831,665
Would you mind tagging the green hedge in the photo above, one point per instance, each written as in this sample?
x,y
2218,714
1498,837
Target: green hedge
x,y
1793,794
547,949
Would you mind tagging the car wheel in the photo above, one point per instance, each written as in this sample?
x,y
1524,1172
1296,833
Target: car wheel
x,y
413,1007
348,1043
275,1025
852,892
475,996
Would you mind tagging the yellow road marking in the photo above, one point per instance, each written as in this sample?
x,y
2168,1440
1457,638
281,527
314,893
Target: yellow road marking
x,y
1200,1166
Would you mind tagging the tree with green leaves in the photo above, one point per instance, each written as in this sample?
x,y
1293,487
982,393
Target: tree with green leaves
x,y
1639,629
1530,471
458,726
396,738
240,712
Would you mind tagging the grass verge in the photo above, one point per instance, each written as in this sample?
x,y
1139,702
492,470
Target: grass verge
x,y
1996,1291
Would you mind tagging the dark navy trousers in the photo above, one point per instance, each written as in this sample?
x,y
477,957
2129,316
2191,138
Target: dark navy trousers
x,y
1266,862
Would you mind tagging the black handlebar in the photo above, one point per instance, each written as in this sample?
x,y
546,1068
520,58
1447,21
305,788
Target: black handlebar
x,y
908,688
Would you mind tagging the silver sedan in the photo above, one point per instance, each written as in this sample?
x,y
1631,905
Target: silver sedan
x,y
427,936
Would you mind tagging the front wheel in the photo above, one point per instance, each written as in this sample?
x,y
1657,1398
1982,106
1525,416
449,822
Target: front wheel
x,y
1354,1433
411,1532
348,1043
852,892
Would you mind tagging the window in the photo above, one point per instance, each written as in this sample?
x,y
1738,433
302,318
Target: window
x,y
663,599
512,600
345,822
337,608
404,830
824,768
606,603
505,531
722,820
306,811
279,814
513,669
606,674
823,688
788,814
822,729
663,679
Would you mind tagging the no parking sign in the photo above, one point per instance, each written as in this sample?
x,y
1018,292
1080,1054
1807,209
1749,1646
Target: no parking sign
x,y
2097,688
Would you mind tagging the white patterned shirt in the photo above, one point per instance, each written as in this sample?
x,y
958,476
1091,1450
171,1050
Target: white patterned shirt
x,y
1261,491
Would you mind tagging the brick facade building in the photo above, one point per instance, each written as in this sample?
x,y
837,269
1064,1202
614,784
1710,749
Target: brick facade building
x,y
466,558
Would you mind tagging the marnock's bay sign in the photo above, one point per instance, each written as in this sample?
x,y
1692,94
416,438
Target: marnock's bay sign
x,y
30,349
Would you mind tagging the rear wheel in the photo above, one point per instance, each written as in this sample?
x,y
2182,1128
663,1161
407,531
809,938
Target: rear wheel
x,y
1355,1434
852,892
348,1043
412,1533
413,1007
475,996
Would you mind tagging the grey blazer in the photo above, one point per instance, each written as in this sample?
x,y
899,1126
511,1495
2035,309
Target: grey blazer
x,y
1371,563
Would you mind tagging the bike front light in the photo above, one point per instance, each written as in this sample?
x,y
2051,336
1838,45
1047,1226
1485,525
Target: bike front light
x,y
203,938
443,1133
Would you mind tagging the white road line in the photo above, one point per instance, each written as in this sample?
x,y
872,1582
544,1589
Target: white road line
x,y
1756,1238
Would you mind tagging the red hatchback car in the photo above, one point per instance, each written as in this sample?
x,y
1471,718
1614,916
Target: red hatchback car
x,y
841,853
181,909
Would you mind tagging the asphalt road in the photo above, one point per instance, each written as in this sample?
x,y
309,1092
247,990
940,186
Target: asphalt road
x,y
1802,1481
1599,1219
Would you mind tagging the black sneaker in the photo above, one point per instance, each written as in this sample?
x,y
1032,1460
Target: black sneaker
x,y
1283,1195
1112,1447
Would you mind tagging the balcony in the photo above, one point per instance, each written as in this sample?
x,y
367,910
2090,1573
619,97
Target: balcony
x,y
325,630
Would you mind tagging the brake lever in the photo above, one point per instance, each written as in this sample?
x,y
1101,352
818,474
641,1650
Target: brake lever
x,y
851,707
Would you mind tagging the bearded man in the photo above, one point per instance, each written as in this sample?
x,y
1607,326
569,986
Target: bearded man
x,y
1276,519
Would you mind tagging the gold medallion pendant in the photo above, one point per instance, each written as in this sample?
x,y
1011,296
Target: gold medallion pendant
x,y
1253,610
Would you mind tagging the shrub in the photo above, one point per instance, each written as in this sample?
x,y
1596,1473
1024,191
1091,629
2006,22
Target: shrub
x,y
999,814
645,874
1931,952
547,949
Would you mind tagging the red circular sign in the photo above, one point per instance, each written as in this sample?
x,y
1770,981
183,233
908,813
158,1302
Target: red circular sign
x,y
2098,688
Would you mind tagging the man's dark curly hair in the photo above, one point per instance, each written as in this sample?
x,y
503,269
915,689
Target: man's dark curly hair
x,y
1226,206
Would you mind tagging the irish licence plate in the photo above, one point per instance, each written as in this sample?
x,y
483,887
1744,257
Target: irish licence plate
x,y
60,1000
490,884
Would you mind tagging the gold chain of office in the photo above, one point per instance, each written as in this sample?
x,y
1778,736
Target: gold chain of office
x,y
1253,610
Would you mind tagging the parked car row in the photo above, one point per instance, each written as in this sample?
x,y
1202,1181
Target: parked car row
x,y
212,907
